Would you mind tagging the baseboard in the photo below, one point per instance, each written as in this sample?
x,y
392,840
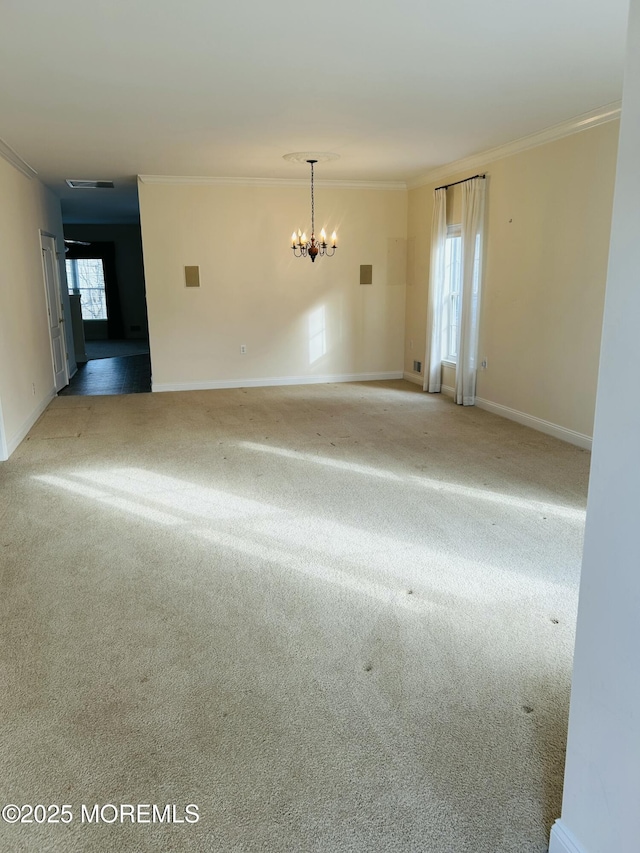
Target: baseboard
x,y
562,841
416,378
4,451
547,427
448,390
213,384
13,442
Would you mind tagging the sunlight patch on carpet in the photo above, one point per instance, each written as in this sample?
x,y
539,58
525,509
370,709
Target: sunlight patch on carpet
x,y
569,513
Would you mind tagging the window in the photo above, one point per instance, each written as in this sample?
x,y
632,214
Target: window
x,y
86,277
451,293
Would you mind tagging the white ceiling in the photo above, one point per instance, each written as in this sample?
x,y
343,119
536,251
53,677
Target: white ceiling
x,y
114,89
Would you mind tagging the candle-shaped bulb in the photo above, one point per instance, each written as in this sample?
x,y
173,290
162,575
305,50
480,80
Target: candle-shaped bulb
x,y
323,236
333,239
293,239
303,239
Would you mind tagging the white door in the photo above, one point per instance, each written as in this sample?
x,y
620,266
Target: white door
x,y
54,307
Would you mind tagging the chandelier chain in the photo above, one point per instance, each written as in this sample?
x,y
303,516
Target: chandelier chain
x,y
313,228
313,248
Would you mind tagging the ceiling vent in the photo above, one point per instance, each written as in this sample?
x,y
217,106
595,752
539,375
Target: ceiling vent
x,y
90,185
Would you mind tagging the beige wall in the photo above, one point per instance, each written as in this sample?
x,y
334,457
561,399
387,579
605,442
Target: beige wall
x,y
546,250
26,206
602,783
298,320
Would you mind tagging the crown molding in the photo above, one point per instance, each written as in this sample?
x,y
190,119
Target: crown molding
x,y
586,121
16,160
271,182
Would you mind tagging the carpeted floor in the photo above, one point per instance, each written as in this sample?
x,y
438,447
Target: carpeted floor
x,y
335,618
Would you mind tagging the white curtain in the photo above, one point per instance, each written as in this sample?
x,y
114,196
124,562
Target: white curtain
x,y
433,355
473,194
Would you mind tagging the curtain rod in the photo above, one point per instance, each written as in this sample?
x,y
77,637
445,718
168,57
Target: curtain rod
x,y
463,181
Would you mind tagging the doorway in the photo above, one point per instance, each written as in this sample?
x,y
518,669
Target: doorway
x,y
105,273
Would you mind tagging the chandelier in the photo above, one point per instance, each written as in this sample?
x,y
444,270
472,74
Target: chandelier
x,y
305,248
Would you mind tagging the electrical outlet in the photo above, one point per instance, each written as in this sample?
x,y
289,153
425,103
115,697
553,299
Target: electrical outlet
x,y
243,349
33,388
483,364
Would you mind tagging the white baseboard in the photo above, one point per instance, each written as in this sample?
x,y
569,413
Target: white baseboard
x,y
448,390
213,384
562,841
547,427
4,451
416,378
12,443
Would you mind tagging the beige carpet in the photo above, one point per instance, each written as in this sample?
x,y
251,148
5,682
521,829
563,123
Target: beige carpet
x,y
335,618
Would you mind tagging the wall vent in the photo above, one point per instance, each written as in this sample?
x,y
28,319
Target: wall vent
x,y
89,185
366,274
192,276
417,367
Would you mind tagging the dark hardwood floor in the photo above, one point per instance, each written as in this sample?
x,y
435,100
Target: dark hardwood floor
x,y
126,375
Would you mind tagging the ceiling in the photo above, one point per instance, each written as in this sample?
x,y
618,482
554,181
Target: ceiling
x,y
202,88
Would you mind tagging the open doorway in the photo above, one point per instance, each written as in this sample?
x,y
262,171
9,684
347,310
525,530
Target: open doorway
x,y
105,275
